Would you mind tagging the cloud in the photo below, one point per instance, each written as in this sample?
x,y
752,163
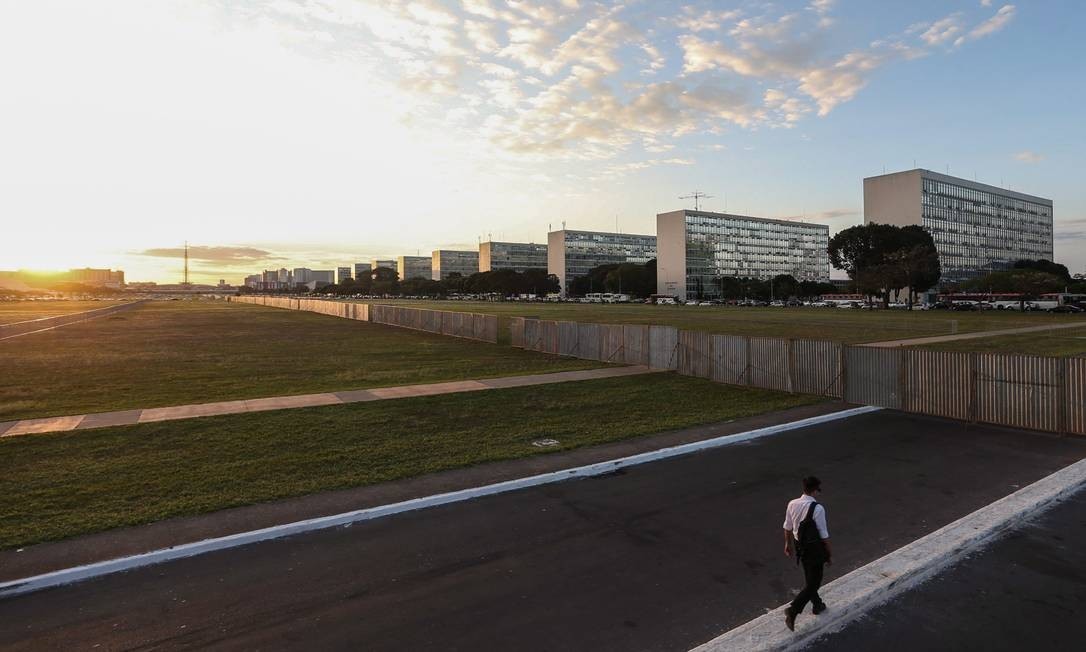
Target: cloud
x,y
588,80
217,254
708,20
1029,156
994,24
827,216
942,30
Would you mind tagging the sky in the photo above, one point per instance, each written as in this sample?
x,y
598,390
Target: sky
x,y
320,133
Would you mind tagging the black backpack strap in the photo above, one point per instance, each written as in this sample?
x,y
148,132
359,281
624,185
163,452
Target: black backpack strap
x,y
810,512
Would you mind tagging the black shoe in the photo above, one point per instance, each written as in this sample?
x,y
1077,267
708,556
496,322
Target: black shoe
x,y
790,619
818,608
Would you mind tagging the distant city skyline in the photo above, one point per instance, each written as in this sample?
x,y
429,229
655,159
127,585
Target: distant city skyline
x,y
298,134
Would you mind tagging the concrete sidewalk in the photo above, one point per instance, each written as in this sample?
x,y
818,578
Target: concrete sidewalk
x,y
149,415
972,336
1026,591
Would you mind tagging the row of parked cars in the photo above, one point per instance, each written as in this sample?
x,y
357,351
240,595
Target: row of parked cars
x,y
1027,306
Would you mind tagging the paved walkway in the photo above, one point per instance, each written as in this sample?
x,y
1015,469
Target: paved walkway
x,y
662,556
150,415
1027,591
973,336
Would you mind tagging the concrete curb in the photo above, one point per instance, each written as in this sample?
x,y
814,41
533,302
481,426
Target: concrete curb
x,y
852,595
79,573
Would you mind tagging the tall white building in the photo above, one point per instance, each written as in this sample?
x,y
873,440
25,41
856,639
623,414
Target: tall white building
x,y
977,228
517,256
414,267
447,261
573,253
697,247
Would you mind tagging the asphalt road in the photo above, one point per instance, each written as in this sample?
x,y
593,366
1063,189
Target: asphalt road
x,y
662,557
1025,591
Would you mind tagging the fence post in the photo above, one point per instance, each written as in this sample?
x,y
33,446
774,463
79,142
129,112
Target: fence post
x,y
746,372
791,365
842,372
974,388
903,378
1062,403
711,361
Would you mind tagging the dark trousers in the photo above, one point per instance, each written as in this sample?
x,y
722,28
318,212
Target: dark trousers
x,y
812,574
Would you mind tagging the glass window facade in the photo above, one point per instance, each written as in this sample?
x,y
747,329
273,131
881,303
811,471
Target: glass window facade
x,y
978,229
517,256
415,267
719,244
587,249
447,261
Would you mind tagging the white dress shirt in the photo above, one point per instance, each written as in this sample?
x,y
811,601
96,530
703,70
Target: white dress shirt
x,y
797,511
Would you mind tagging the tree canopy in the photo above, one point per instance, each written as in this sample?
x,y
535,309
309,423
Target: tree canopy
x,y
1046,266
881,258
626,278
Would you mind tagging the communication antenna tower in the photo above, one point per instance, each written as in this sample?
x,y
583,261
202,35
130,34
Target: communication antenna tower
x,y
186,262
697,196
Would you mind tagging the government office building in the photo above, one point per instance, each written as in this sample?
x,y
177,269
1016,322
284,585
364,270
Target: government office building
x,y
517,256
573,253
697,247
977,228
414,267
448,261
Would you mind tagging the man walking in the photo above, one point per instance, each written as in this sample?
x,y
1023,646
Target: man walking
x,y
805,530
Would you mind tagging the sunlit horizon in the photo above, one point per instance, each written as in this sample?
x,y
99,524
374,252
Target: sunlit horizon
x,y
318,134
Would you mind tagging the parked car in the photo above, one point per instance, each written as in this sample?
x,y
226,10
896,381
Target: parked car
x,y
1066,308
965,306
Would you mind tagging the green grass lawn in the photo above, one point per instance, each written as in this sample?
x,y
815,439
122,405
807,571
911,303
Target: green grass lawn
x,y
852,326
1066,342
13,311
62,485
178,352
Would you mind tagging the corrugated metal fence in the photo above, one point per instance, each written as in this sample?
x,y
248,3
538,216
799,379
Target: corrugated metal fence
x,y
1021,391
442,322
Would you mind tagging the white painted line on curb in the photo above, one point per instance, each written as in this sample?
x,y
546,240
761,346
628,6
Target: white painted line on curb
x,y
851,595
98,569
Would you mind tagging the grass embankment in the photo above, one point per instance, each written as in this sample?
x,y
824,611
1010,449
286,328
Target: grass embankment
x,y
174,353
850,326
58,486
1063,343
16,311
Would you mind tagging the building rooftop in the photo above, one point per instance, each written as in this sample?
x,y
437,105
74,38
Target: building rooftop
x,y
747,217
976,185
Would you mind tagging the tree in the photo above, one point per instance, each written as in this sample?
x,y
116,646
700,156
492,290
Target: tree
x,y
1047,266
881,258
783,286
385,274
